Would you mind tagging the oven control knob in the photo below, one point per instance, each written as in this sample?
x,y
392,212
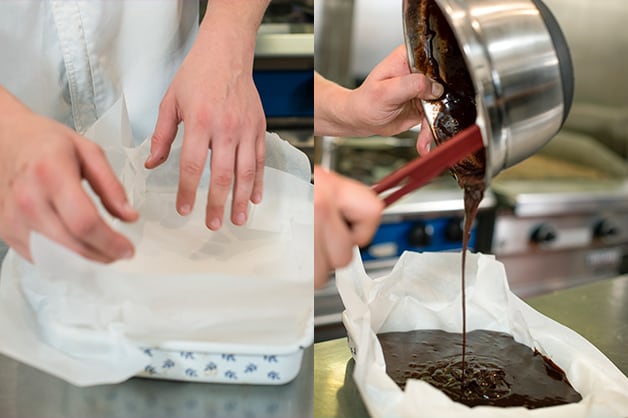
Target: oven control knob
x,y
420,235
453,230
605,229
544,234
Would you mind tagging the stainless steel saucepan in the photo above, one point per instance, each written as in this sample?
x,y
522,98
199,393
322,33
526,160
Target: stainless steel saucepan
x,y
520,67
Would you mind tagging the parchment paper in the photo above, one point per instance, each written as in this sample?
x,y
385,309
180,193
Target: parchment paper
x,y
245,289
423,292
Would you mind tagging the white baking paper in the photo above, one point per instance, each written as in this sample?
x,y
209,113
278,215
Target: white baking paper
x,y
242,289
423,292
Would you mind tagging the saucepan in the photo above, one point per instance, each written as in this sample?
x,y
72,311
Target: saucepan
x,y
520,68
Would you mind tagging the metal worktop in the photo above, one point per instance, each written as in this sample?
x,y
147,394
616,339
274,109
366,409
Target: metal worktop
x,y
598,311
29,393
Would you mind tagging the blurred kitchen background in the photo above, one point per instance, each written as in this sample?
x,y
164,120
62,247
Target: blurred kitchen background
x,y
283,70
556,220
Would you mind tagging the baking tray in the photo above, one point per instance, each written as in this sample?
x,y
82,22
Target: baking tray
x,y
224,366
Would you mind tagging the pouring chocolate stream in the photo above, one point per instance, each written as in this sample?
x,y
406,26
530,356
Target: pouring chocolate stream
x,y
433,51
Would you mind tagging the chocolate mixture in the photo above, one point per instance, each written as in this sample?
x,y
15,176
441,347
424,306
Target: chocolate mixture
x,y
488,368
500,371
440,59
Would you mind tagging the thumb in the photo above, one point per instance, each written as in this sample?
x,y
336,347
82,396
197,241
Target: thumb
x,y
165,132
404,88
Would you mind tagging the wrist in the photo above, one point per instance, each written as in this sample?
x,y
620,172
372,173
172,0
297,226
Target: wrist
x,y
333,112
10,105
235,21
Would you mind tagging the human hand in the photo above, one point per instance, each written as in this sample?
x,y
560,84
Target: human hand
x,y
346,214
214,95
386,103
42,165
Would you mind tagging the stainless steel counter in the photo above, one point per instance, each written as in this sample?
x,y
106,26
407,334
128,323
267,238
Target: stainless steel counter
x,y
29,393
598,311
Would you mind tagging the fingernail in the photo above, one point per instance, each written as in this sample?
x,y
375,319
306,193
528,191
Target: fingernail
x,y
437,90
127,254
150,157
240,218
128,209
185,209
257,197
214,224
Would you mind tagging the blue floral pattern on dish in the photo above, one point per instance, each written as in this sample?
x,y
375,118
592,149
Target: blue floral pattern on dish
x,y
225,367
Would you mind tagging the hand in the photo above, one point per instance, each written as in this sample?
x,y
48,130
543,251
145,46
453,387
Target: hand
x,y
346,214
385,104
214,95
42,165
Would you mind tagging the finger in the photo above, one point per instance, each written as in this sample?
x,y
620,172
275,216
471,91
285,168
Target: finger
x,y
362,209
332,249
244,179
425,138
321,267
191,166
165,132
102,179
34,213
260,161
338,240
81,218
220,181
52,227
400,90
333,240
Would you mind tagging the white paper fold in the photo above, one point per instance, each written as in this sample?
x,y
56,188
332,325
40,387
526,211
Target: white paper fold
x,y
242,289
423,292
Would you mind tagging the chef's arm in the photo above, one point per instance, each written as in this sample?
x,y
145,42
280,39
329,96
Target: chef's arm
x,y
214,94
330,116
244,16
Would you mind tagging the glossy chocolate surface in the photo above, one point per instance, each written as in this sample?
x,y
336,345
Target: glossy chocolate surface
x,y
499,371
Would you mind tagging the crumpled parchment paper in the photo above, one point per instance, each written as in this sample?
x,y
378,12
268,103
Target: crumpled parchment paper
x,y
245,289
423,291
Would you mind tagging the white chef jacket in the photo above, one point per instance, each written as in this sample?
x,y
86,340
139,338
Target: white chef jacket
x,y
71,60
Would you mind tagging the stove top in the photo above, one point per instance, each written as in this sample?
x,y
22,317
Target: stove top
x,y
555,197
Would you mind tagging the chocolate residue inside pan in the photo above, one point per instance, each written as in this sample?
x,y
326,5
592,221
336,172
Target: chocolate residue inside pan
x,y
439,57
